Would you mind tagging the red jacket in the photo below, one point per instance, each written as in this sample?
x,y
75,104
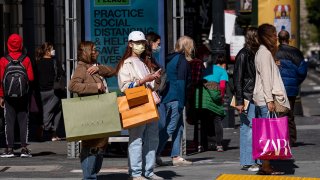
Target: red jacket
x,y
15,50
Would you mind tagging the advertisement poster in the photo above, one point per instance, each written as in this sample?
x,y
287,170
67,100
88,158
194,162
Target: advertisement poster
x,y
280,13
236,44
108,24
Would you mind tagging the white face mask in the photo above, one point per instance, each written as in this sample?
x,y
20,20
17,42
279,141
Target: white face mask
x,y
138,48
53,52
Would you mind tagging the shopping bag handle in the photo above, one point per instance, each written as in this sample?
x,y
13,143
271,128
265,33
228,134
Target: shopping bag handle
x,y
272,114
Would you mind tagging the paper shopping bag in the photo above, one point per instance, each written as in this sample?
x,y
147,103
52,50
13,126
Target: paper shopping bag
x,y
270,138
136,96
91,117
143,114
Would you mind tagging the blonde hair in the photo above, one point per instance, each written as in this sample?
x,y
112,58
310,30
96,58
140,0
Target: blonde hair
x,y
185,45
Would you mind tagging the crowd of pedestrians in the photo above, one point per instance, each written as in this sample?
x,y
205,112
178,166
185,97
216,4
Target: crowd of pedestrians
x,y
263,73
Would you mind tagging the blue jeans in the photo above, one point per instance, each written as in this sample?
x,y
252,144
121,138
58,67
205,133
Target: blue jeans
x,y
91,162
143,143
173,127
262,111
246,136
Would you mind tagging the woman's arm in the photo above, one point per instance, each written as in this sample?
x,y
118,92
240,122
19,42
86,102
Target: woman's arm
x,y
77,84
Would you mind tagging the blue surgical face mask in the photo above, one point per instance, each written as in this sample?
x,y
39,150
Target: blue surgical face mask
x,y
157,50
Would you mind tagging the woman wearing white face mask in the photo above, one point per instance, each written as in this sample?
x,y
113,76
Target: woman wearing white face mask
x,y
47,71
143,140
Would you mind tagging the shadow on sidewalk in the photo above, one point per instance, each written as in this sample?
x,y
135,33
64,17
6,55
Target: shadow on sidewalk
x,y
121,176
286,166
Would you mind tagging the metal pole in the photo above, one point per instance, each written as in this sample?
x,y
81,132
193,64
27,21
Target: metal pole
x,y
218,38
70,145
181,17
174,12
75,30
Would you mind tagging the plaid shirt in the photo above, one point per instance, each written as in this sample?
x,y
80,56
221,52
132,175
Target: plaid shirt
x,y
197,67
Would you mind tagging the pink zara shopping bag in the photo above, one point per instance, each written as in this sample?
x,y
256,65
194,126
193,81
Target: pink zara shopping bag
x,y
270,138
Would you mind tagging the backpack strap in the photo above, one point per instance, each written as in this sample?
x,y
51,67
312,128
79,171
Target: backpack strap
x,y
20,59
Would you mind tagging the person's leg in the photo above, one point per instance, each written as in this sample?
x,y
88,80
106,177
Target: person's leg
x,y
204,132
10,118
23,120
135,150
246,136
150,145
218,129
47,106
91,162
57,114
291,123
177,137
172,118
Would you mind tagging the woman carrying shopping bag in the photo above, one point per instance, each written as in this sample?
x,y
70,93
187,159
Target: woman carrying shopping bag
x,y
143,140
268,85
88,80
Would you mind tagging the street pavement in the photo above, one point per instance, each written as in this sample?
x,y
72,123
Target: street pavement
x,y
50,160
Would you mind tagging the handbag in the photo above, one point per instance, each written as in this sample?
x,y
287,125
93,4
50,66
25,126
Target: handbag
x,y
139,115
270,138
279,108
136,96
91,117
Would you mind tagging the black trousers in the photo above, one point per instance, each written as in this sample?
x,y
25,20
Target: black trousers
x,y
16,109
291,122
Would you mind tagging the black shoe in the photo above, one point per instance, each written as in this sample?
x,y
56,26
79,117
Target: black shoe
x,y
25,153
8,153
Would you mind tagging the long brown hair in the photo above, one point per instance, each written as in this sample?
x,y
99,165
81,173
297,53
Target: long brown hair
x,y
251,38
126,55
85,51
267,36
148,58
41,51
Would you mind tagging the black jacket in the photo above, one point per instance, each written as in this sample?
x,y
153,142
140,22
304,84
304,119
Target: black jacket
x,y
244,76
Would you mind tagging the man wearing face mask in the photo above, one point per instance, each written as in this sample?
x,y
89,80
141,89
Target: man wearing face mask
x,y
47,72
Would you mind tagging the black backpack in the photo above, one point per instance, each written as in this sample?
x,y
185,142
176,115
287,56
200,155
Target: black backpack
x,y
15,79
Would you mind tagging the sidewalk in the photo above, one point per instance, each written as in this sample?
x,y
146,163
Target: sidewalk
x,y
50,160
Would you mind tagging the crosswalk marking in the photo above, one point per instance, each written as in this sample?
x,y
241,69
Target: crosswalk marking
x,y
45,168
105,170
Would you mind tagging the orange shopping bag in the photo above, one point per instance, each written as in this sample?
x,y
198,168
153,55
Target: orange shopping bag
x,y
136,96
139,115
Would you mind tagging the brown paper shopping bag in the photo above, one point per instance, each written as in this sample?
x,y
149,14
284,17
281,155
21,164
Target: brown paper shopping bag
x,y
143,114
136,96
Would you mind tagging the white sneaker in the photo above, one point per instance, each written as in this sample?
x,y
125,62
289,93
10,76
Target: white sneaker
x,y
138,178
155,177
179,161
254,168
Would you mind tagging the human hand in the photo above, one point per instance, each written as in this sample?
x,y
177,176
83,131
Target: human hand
x,y
271,106
93,69
100,87
153,76
1,102
239,108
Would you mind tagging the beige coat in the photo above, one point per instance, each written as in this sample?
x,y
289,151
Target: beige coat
x,y
132,70
84,84
268,83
